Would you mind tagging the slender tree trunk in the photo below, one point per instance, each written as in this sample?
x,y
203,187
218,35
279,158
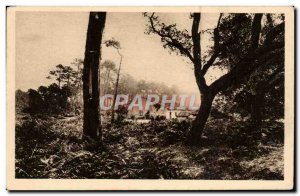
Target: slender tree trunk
x,y
91,120
256,115
78,87
200,120
59,77
256,109
106,82
116,93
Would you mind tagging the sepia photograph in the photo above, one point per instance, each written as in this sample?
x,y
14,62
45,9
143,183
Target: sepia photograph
x,y
150,98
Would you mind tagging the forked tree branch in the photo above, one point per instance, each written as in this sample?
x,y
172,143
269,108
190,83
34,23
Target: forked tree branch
x,y
170,40
254,58
196,37
216,51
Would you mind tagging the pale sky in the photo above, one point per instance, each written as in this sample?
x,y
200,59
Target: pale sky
x,y
46,39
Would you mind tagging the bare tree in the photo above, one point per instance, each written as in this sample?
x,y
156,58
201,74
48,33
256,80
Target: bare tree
x,y
115,44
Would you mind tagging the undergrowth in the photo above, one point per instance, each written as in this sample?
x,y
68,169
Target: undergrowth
x,y
52,148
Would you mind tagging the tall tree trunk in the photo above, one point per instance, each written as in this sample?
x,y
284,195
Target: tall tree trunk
x,y
91,120
198,125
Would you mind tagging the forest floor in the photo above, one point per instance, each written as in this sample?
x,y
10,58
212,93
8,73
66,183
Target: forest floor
x,y
50,147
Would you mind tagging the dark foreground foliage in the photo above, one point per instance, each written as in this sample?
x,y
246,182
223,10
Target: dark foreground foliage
x,y
51,148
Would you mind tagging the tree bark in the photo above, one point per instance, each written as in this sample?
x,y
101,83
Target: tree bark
x,y
90,78
256,109
201,118
256,115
